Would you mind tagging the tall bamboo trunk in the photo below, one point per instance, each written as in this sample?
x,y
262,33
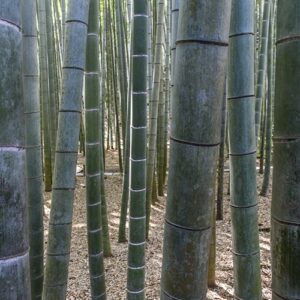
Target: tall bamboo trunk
x,y
53,100
44,93
34,175
60,224
94,168
201,56
14,248
269,111
242,151
122,66
174,28
285,210
137,190
153,110
220,181
160,139
262,65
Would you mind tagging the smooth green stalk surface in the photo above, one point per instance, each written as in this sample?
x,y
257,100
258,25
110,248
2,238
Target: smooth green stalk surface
x,y
242,151
262,65
285,209
93,146
160,139
220,183
153,109
201,56
44,93
174,28
269,112
137,209
60,224
14,248
53,100
34,175
125,189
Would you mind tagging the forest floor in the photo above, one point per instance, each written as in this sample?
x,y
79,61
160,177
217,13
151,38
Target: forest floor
x,y
115,266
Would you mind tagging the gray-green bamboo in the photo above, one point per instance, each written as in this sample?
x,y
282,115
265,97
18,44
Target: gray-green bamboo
x,y
137,190
262,66
242,151
201,56
14,248
174,28
60,224
153,110
53,99
285,209
44,93
94,167
34,175
269,111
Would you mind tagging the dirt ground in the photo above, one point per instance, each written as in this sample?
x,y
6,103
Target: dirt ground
x,y
115,266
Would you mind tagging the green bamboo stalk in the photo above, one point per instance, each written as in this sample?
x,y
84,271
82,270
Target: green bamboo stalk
x,y
154,193
57,56
103,79
129,10
211,278
160,139
63,21
137,196
57,29
14,248
82,136
168,90
34,175
104,93
257,28
262,65
263,120
125,190
106,237
285,209
149,69
269,117
108,115
201,56
162,107
44,91
60,224
174,28
114,84
53,105
242,147
122,67
166,135
154,21
153,110
93,156
220,184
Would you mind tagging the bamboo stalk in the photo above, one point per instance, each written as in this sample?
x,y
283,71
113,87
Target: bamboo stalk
x,y
201,56
137,190
242,151
60,224
34,175
14,248
285,209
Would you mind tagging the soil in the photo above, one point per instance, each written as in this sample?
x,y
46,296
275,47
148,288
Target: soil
x,y
115,266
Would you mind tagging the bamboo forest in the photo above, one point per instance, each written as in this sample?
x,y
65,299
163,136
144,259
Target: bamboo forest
x,y
149,149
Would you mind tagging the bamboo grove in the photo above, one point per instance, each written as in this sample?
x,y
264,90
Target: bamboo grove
x,y
180,90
